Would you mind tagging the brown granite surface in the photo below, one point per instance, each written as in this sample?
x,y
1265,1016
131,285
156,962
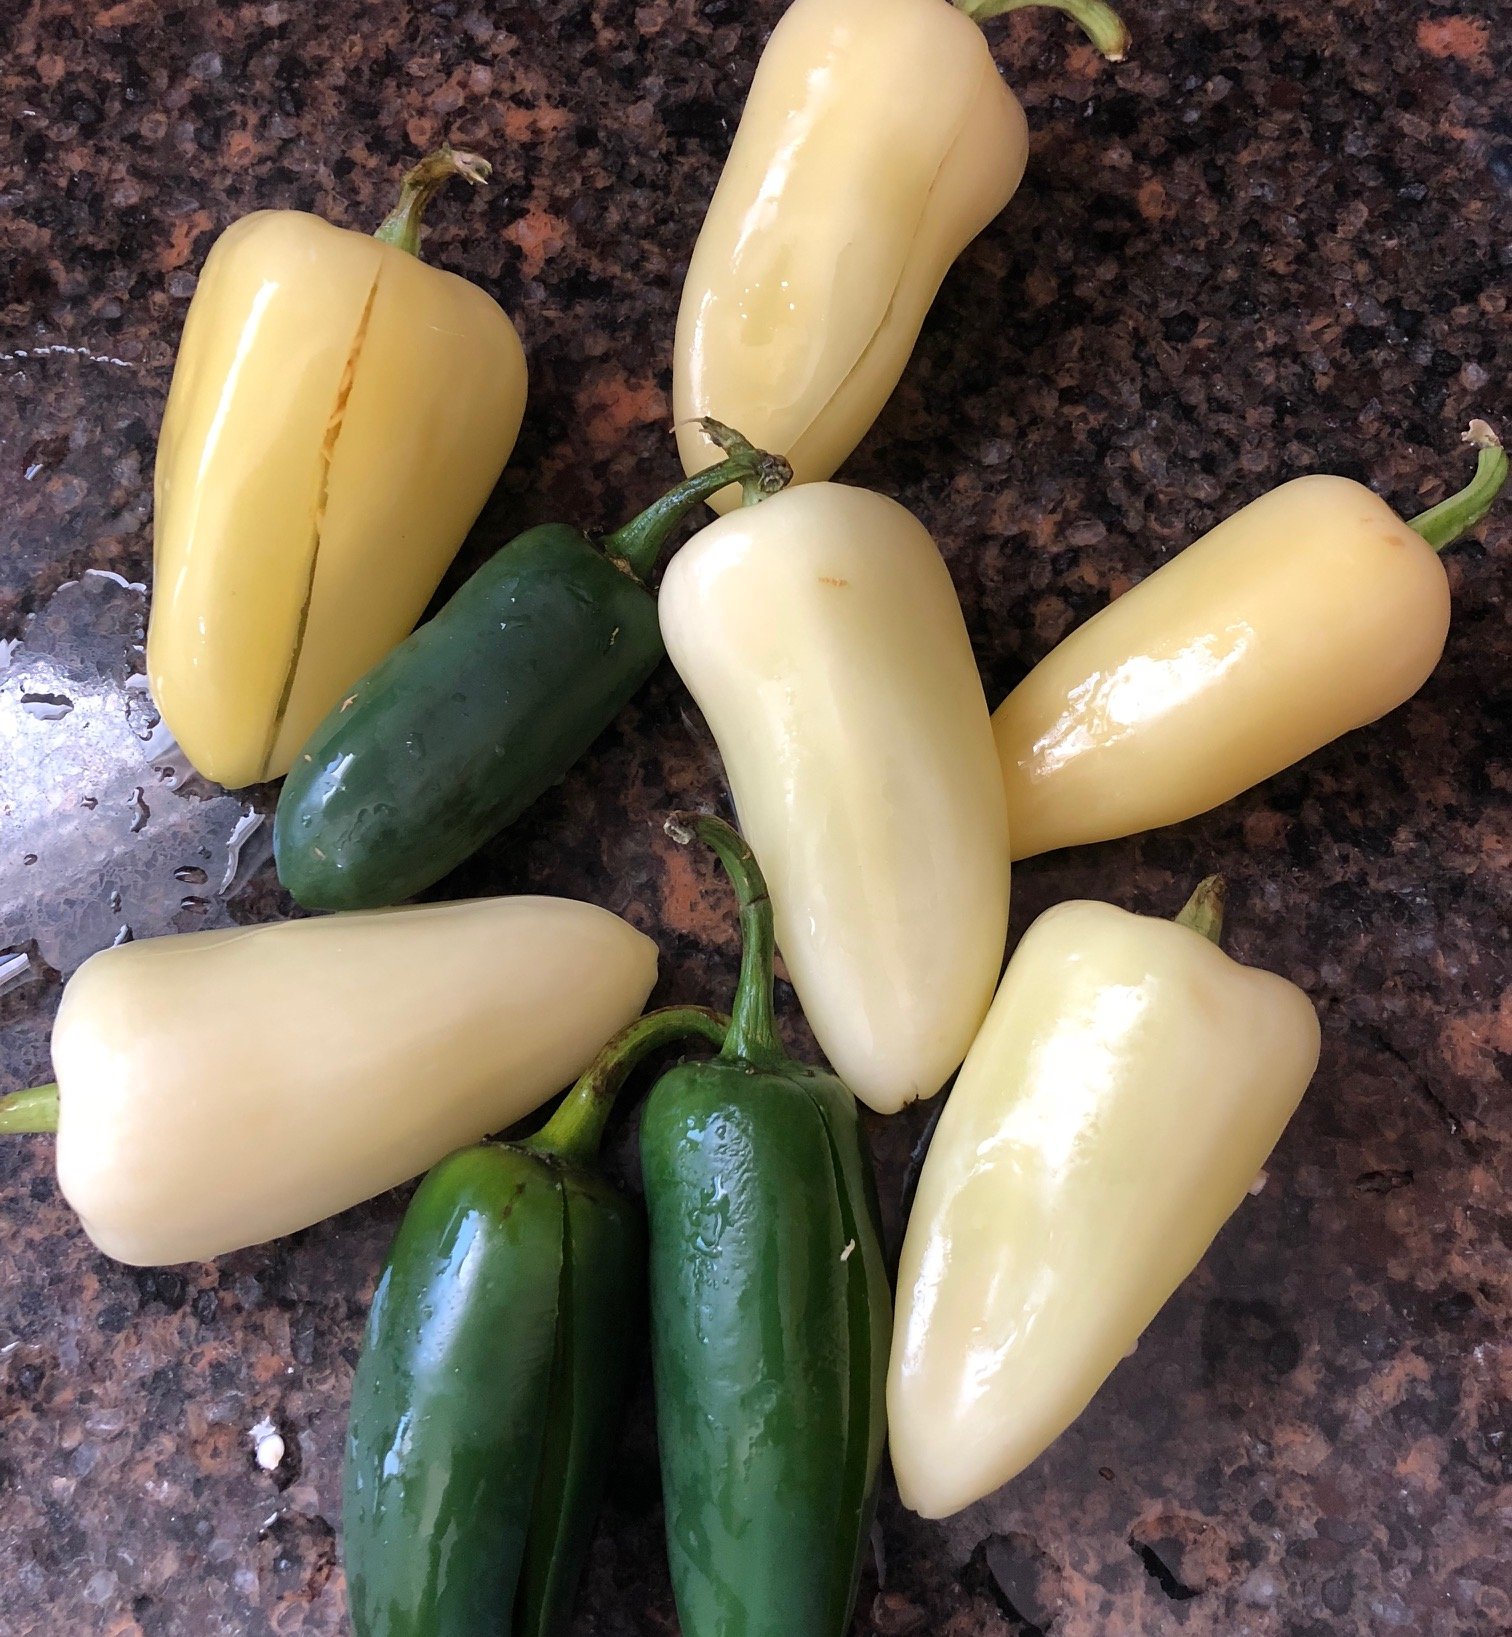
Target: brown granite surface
x,y
1268,244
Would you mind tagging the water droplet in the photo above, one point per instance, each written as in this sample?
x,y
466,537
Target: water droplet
x,y
46,707
30,858
115,903
199,905
142,811
191,873
89,803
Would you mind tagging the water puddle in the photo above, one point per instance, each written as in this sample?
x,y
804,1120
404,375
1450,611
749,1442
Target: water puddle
x,y
102,822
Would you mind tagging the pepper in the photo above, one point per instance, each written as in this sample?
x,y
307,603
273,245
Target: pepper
x,y
878,140
457,732
498,1351
822,639
1311,612
217,1089
770,1313
338,414
1123,1093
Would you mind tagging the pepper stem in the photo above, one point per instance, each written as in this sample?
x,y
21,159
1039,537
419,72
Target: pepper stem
x,y
1099,22
1203,911
639,542
574,1131
753,1029
35,1109
1453,518
422,182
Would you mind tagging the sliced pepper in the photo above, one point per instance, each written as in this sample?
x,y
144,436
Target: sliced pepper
x,y
338,414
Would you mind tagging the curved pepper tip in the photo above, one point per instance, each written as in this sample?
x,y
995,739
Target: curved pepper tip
x,y
471,167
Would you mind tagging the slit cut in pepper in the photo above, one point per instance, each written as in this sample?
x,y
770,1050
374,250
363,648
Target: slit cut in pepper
x,y
324,379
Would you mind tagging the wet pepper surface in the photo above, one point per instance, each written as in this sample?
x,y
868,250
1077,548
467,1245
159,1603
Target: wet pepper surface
x,y
1266,245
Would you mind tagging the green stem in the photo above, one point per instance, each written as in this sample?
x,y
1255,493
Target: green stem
x,y
1099,22
638,544
1448,521
753,1029
401,227
1203,911
574,1131
35,1109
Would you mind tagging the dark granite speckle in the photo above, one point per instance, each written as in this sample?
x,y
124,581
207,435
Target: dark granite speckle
x,y
1272,242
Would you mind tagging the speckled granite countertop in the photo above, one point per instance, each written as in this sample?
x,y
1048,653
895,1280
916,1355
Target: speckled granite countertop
x,y
1266,245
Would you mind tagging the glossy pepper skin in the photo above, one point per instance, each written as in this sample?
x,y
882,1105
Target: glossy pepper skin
x,y
218,1089
1311,612
462,727
1125,1089
877,141
822,639
498,1350
770,1318
338,414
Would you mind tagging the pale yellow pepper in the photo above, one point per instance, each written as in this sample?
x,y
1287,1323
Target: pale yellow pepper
x,y
338,415
1312,611
878,140
821,636
222,1088
1125,1090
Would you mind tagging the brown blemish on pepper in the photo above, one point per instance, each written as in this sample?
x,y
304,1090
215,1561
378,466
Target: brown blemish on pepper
x,y
829,579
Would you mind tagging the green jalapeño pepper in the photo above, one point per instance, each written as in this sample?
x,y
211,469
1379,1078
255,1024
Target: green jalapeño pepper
x,y
497,1353
458,730
770,1315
